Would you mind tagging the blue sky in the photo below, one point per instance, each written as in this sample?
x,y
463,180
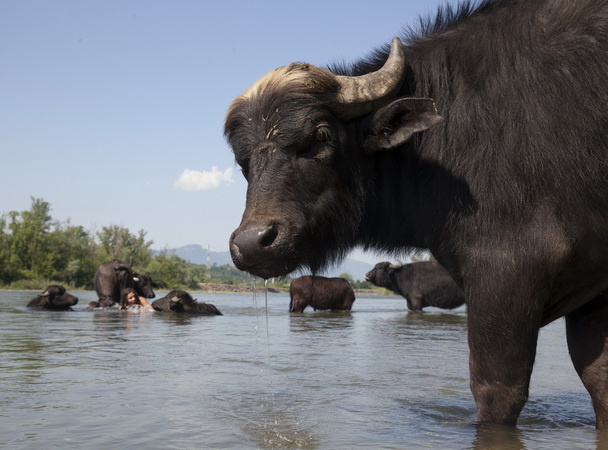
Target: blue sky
x,y
113,111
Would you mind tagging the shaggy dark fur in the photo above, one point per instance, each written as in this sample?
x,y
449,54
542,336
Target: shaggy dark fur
x,y
509,193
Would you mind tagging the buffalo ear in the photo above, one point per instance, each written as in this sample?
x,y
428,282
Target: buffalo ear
x,y
395,124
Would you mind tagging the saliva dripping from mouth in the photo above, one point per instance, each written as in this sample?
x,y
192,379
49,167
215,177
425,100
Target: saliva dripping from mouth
x,y
268,377
266,308
255,305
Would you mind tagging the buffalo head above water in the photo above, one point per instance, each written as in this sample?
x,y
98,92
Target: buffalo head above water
x,y
305,139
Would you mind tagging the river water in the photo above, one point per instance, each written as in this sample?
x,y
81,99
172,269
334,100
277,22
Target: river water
x,y
260,377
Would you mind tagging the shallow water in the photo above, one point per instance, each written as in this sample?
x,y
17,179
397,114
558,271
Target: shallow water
x,y
378,377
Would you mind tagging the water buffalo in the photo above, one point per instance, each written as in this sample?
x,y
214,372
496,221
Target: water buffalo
x,y
320,293
483,139
182,302
54,298
423,284
114,276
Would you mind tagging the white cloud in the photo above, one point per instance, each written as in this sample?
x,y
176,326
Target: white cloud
x,y
196,180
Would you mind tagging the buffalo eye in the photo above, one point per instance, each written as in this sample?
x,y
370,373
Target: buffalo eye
x,y
321,144
322,133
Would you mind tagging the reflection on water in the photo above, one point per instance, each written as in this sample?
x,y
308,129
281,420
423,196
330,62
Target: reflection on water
x,y
260,377
496,437
320,321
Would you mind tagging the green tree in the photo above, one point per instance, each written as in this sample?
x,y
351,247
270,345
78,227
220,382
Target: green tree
x,y
74,252
168,271
230,275
36,248
196,274
347,277
356,284
29,250
8,272
117,242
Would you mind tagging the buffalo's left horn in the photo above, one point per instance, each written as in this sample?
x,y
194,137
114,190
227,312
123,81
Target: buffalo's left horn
x,y
365,93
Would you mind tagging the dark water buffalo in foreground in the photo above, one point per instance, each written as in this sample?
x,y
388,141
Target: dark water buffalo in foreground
x,y
423,284
483,139
54,298
320,293
181,301
114,276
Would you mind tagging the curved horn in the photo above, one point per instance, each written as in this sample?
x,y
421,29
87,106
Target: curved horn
x,y
361,95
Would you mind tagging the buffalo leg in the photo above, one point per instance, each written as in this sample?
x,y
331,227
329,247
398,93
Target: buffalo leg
x,y
502,343
414,302
587,331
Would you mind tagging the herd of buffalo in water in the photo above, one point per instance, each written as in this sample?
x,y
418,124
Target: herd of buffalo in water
x,y
422,284
483,138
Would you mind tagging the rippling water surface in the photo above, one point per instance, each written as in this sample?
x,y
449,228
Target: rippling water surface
x,y
260,377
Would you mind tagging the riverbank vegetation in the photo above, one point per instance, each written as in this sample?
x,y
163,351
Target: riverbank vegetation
x,y
37,250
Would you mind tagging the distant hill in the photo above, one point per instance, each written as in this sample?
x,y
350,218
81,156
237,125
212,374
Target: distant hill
x,y
196,254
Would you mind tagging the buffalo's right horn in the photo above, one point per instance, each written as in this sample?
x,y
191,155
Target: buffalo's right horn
x,y
365,93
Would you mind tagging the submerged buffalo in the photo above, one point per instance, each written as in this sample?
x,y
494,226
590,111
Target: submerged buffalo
x,y
114,276
483,139
54,298
180,301
320,293
423,284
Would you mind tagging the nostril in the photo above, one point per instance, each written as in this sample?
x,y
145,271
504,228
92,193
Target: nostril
x,y
255,239
268,237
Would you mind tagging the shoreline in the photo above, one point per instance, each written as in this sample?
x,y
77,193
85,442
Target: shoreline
x,y
219,288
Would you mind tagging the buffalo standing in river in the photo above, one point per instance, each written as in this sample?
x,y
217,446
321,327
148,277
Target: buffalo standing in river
x,y
422,284
483,139
320,293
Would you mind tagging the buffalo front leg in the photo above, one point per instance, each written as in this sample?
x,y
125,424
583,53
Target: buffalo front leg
x,y
502,343
587,332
